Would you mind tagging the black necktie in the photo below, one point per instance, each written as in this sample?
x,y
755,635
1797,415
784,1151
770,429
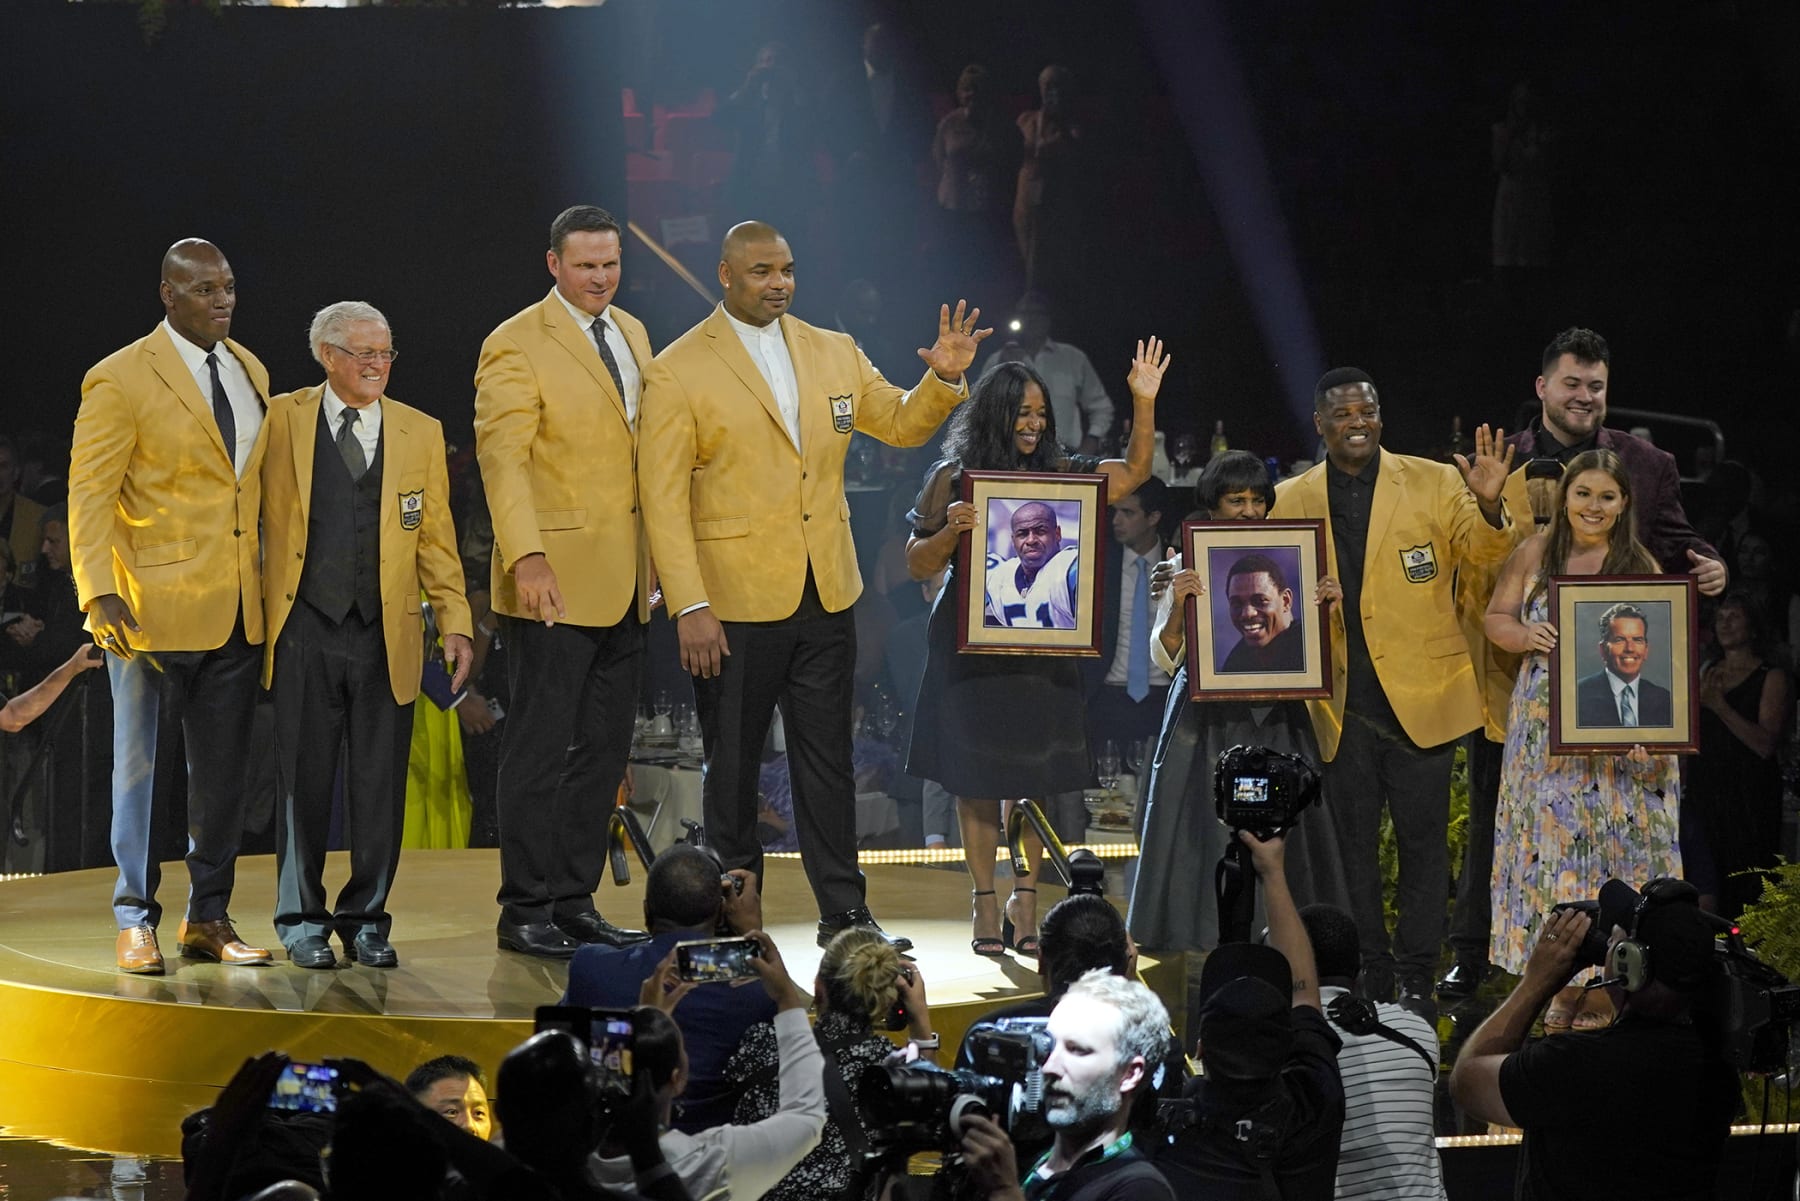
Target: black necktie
x,y
598,329
349,445
222,409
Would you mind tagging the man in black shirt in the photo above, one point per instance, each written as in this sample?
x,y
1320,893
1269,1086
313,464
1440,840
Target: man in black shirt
x,y
1106,1036
1268,1111
1650,1087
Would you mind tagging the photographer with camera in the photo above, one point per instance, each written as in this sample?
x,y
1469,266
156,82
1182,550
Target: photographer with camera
x,y
1263,1120
1668,1094
687,896
746,1160
862,981
1106,1036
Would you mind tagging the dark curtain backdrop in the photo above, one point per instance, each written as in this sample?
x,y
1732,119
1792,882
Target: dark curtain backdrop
x,y
412,158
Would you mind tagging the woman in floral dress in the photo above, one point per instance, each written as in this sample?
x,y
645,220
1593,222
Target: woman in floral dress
x,y
1567,823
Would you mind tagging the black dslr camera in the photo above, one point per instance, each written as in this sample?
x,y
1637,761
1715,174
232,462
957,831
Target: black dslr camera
x,y
1262,790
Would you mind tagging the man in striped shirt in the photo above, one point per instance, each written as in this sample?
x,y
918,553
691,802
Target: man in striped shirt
x,y
1388,1148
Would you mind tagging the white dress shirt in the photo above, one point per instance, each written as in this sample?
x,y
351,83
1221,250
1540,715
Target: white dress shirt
x,y
1120,670
1637,698
769,351
615,341
367,427
246,405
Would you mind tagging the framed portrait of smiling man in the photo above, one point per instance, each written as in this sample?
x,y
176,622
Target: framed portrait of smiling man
x,y
1256,635
1029,572
1623,671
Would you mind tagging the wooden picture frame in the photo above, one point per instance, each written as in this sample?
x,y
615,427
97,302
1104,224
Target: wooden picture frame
x,y
1055,609
1586,708
1233,659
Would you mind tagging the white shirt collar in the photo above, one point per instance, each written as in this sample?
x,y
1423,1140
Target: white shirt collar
x,y
192,356
745,330
1619,685
367,422
586,319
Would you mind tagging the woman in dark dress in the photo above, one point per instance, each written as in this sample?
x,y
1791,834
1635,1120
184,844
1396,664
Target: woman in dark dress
x,y
1734,783
1174,901
992,726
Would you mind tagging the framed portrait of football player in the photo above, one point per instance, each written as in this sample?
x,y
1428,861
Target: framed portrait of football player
x,y
1624,668
1029,571
1256,635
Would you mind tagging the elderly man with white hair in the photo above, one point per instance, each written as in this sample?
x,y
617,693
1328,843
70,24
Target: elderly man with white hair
x,y
356,524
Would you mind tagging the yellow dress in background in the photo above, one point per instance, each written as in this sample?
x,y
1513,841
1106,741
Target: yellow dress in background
x,y
437,784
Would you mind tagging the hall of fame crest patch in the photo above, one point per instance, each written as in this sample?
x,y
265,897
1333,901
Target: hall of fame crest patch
x,y
1420,563
843,417
412,509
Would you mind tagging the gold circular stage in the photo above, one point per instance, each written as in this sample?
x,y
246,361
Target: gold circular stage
x,y
94,1058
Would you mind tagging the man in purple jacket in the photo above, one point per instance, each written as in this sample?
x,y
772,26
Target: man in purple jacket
x,y
1573,388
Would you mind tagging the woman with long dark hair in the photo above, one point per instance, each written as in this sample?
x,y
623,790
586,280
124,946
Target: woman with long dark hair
x,y
1734,783
995,726
1566,823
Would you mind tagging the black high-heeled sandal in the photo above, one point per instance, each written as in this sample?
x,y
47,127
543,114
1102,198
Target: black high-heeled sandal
x,y
1027,946
989,947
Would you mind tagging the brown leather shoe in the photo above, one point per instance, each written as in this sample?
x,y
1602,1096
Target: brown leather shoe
x,y
138,952
218,942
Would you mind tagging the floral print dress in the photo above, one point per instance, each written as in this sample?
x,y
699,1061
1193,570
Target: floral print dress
x,y
1566,823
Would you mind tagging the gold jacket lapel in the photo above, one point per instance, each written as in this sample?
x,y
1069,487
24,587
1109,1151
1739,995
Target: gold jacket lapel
x,y
579,343
729,347
165,360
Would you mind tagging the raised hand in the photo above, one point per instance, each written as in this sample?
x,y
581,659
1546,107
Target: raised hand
x,y
957,340
1147,368
1486,473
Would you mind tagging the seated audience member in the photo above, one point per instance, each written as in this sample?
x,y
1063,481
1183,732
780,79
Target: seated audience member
x,y
1106,1035
453,1088
20,711
861,977
1650,1086
686,896
1266,1115
1389,1066
745,1161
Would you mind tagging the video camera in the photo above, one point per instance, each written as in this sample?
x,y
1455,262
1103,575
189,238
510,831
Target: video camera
x,y
1753,1010
921,1107
1262,790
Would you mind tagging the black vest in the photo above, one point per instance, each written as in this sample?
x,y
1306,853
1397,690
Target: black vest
x,y
343,533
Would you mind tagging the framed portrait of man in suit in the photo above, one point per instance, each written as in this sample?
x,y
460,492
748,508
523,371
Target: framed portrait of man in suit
x,y
1029,572
1256,635
1623,671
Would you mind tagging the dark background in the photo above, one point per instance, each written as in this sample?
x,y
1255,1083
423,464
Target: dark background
x,y
414,156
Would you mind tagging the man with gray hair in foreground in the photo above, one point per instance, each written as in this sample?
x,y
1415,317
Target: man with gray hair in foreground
x,y
1107,1035
356,523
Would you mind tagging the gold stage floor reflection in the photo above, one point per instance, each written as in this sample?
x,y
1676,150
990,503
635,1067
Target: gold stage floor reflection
x,y
93,1058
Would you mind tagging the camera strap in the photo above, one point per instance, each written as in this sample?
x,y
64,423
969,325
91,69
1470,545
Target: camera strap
x,y
1353,1015
840,1107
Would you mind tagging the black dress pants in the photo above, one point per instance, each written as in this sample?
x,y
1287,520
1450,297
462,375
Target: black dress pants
x,y
1379,766
806,665
1472,921
334,703
563,749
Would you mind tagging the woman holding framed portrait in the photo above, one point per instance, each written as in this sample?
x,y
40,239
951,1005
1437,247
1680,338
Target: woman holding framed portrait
x,y
992,726
1567,823
1174,902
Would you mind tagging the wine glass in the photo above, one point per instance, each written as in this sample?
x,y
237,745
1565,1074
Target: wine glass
x,y
1182,452
1106,766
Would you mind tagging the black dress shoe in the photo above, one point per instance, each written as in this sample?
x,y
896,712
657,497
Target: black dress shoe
x,y
831,923
312,952
536,938
371,950
591,927
1463,978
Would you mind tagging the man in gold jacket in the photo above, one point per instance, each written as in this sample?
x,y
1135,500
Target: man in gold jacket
x,y
356,522
1403,684
747,417
556,417
164,495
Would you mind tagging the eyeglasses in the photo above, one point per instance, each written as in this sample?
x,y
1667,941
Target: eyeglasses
x,y
366,357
